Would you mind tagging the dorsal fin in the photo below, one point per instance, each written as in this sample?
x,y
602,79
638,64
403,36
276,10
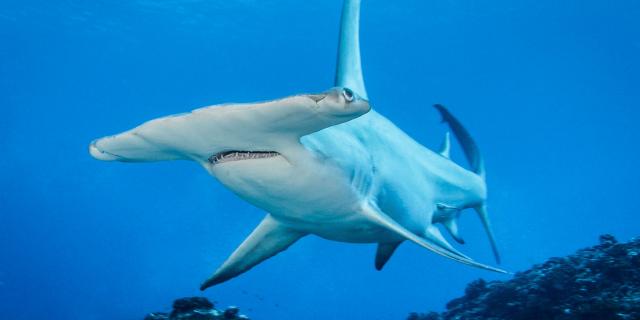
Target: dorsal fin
x,y
349,68
445,147
469,147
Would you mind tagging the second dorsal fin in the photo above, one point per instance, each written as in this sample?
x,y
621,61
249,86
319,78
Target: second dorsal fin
x,y
445,147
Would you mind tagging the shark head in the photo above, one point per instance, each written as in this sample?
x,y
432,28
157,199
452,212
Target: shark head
x,y
252,127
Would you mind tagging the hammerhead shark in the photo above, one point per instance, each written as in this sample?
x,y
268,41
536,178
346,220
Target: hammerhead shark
x,y
322,164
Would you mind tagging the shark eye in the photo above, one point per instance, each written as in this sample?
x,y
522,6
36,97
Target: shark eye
x,y
348,94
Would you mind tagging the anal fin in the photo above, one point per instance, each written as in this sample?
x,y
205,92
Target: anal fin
x,y
384,253
452,226
268,239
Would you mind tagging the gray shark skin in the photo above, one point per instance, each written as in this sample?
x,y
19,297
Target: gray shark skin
x,y
322,164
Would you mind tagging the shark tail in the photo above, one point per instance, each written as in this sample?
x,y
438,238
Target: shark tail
x,y
469,146
432,241
486,223
476,162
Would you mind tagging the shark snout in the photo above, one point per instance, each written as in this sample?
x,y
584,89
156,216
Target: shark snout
x,y
99,154
133,146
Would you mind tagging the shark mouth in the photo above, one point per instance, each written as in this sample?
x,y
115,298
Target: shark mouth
x,y
235,155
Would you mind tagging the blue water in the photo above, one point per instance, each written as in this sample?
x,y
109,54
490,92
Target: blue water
x,y
549,89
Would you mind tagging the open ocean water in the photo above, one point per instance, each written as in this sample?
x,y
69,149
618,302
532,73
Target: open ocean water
x,y
549,89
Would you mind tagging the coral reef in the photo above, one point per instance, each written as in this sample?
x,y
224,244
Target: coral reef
x,y
197,308
601,282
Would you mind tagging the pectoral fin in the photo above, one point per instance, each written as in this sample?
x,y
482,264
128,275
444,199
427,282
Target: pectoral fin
x,y
266,240
384,253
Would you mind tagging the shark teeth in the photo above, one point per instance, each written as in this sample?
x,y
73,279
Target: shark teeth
x,y
234,155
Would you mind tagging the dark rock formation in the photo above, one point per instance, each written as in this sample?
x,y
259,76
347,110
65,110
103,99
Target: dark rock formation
x,y
597,283
197,308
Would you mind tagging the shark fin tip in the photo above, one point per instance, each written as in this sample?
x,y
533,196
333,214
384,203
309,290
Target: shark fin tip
x,y
384,253
204,286
442,110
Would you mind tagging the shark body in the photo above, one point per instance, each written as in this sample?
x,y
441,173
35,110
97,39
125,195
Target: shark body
x,y
322,164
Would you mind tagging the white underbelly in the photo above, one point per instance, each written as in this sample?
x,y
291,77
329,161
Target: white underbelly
x,y
314,197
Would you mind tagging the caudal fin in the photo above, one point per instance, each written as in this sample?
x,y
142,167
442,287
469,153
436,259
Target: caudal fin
x,y
469,146
472,153
486,223
380,218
